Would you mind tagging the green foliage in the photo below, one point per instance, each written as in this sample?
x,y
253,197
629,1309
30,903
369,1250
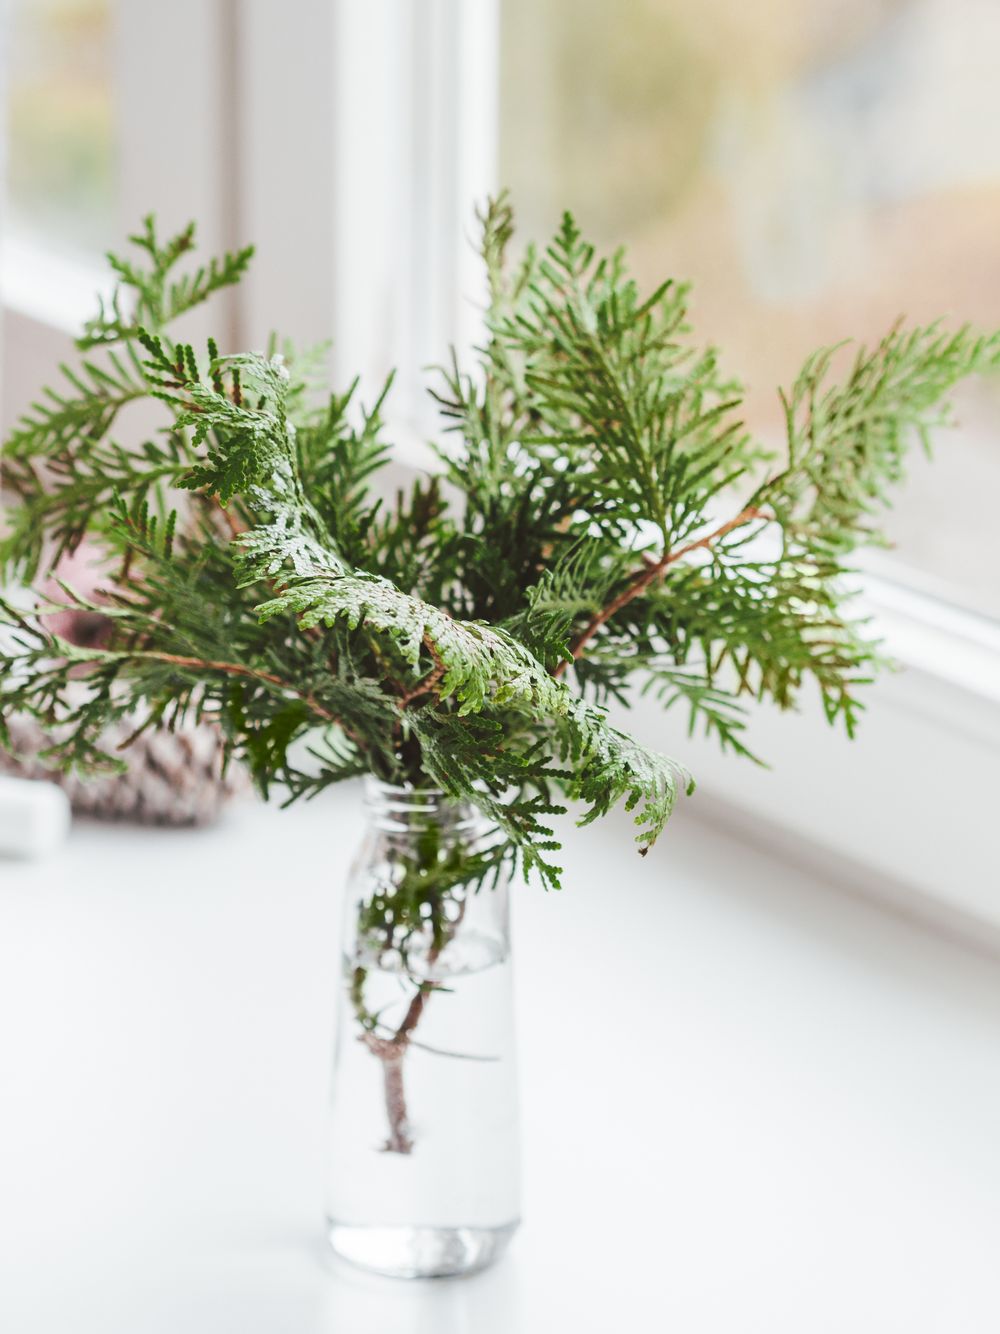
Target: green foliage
x,y
847,442
147,297
607,523
81,411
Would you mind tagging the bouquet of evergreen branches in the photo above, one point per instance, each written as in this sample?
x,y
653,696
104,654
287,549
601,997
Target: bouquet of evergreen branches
x,y
605,522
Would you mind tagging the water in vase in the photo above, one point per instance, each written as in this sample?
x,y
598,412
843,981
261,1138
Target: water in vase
x,y
423,1163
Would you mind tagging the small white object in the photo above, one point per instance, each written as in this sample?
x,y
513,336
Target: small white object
x,y
34,817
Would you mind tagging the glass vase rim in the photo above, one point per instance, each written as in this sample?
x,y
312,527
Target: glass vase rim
x,y
404,808
375,788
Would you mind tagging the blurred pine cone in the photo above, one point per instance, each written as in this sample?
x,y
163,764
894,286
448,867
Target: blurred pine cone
x,y
173,778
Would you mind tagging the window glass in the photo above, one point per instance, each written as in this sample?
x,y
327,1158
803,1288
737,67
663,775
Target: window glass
x,y
60,123
815,169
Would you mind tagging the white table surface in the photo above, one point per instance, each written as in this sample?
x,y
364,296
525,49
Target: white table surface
x,y
751,1101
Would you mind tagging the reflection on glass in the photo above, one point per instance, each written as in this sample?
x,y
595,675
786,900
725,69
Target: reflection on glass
x,y
61,144
817,170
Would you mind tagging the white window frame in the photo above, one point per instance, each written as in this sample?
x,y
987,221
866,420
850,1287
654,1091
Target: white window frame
x,y
175,122
382,143
406,130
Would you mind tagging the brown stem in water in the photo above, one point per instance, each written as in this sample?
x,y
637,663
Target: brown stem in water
x,y
399,1140
391,1051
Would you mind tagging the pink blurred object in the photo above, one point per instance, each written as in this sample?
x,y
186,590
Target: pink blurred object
x,y
85,572
173,778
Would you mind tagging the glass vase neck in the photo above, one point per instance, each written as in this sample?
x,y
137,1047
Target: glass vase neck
x,y
402,809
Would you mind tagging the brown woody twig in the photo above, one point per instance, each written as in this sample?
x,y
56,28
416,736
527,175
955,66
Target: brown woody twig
x,y
651,571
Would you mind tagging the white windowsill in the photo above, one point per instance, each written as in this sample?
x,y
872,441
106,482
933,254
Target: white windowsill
x,y
947,644
726,1062
49,286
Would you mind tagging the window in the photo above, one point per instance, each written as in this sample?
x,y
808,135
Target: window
x,y
61,189
62,139
816,170
97,122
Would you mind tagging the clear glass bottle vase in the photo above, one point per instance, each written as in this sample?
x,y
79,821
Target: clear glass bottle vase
x,y
423,1170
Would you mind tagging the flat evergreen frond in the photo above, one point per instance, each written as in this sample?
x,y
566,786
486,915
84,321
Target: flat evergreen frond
x,y
283,544
192,289
81,410
575,585
763,628
145,297
308,373
51,521
610,377
847,441
613,767
717,710
467,758
245,434
410,544
337,459
474,661
476,665
601,521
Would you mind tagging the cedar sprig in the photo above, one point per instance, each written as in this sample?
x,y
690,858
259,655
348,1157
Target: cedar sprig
x,y
607,523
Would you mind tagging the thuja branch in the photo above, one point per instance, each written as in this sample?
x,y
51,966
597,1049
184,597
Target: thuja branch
x,y
232,669
434,628
649,574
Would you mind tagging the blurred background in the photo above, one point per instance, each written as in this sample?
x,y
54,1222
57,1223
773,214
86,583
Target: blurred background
x,y
816,169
